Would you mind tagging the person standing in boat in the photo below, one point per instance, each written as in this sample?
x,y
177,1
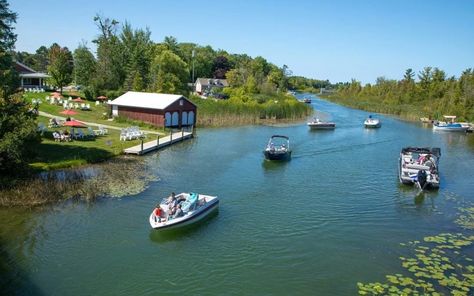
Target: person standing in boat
x,y
157,213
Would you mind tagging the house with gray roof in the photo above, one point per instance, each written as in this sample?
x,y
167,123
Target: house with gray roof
x,y
203,86
29,77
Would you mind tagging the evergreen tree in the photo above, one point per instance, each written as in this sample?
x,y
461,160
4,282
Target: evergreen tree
x,y
84,65
8,75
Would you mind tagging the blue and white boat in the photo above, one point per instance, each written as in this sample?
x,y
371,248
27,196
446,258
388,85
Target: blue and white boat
x,y
195,207
450,125
419,165
372,122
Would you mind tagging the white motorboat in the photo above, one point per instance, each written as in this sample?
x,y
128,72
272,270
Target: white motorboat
x,y
194,206
318,124
372,122
419,166
450,125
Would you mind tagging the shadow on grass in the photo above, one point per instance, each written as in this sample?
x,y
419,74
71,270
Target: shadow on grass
x,y
54,156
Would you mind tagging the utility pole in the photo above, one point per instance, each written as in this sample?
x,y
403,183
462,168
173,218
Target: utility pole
x,y
192,56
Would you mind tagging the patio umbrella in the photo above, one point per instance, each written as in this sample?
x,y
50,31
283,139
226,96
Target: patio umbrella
x,y
78,100
68,112
56,95
75,123
102,98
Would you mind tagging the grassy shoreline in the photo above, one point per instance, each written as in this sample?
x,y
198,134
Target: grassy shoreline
x,y
406,112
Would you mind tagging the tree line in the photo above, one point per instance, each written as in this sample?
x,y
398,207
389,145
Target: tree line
x,y
432,95
127,59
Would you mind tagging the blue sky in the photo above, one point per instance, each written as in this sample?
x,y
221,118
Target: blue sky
x,y
335,40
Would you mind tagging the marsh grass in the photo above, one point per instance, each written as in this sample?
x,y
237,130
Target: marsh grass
x,y
233,112
116,178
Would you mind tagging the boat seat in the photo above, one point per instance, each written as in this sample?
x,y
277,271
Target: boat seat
x,y
417,166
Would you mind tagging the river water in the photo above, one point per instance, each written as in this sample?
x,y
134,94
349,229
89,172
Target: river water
x,y
333,216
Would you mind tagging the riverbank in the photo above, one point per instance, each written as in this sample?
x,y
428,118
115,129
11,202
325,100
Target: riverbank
x,y
256,110
117,177
404,111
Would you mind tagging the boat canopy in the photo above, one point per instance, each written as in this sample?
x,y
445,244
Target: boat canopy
x,y
280,136
435,151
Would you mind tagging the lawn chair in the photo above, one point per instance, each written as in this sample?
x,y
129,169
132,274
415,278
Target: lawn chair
x,y
90,132
97,103
42,128
57,137
88,106
103,130
123,135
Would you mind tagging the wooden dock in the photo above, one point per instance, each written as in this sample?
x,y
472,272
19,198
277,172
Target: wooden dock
x,y
159,143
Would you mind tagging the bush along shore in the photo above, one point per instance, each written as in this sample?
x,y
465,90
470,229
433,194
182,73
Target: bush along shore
x,y
115,178
242,111
433,95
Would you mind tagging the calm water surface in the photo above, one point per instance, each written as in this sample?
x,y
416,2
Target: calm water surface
x,y
333,216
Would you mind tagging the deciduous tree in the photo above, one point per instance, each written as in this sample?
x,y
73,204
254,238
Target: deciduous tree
x,y
61,65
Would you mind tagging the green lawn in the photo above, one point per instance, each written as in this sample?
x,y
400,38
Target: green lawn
x,y
54,155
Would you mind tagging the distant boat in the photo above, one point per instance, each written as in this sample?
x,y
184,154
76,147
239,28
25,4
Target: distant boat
x,y
372,122
318,124
419,166
278,148
195,207
307,100
450,126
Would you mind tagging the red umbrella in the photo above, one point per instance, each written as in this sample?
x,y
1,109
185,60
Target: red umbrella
x,y
79,100
68,112
74,123
102,98
56,94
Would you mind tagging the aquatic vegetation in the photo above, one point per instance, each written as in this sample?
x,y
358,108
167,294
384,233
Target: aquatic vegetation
x,y
437,266
116,178
466,218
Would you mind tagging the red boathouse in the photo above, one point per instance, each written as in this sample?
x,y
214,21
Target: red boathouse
x,y
158,109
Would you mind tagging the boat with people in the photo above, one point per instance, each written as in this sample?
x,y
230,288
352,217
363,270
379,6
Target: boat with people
x,y
450,125
419,165
371,122
182,209
307,100
278,148
316,123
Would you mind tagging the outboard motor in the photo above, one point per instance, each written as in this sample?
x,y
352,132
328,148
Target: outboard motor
x,y
421,178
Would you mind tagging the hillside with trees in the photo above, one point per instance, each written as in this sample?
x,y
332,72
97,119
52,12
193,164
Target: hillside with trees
x,y
431,95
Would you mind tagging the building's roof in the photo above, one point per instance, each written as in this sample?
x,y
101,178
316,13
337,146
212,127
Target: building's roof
x,y
212,82
35,75
22,68
146,100
27,72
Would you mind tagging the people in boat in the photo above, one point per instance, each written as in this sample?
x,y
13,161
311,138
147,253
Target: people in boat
x,y
157,212
179,212
180,199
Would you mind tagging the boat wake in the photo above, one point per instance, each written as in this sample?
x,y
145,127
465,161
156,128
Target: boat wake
x,y
339,149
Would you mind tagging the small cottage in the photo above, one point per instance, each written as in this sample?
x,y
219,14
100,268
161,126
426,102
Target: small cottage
x,y
203,86
29,78
158,109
